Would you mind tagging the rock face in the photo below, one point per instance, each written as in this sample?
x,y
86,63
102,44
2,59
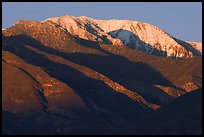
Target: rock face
x,y
134,34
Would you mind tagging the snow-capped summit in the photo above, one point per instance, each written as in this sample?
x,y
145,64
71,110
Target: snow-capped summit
x,y
134,34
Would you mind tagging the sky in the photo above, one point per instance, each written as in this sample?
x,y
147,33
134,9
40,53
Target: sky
x,y
183,20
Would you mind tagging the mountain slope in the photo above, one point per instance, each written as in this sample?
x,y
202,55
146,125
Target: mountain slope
x,y
182,116
64,102
63,112
23,83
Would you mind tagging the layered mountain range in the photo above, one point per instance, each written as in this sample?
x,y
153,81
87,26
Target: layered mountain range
x,y
78,75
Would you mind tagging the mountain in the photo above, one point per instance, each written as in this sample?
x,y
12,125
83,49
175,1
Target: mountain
x,y
134,34
57,83
196,45
180,117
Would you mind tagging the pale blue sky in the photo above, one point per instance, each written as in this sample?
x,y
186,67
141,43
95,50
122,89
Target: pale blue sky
x,y
181,19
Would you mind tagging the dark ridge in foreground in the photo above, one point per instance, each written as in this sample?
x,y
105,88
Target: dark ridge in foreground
x,y
183,116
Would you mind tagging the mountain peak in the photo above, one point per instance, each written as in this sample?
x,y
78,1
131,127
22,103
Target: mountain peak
x,y
133,34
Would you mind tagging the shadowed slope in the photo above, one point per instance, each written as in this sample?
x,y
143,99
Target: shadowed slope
x,y
182,116
22,96
111,66
24,88
87,122
188,47
86,87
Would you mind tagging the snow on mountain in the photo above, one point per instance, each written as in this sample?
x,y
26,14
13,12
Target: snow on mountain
x,y
196,45
134,34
